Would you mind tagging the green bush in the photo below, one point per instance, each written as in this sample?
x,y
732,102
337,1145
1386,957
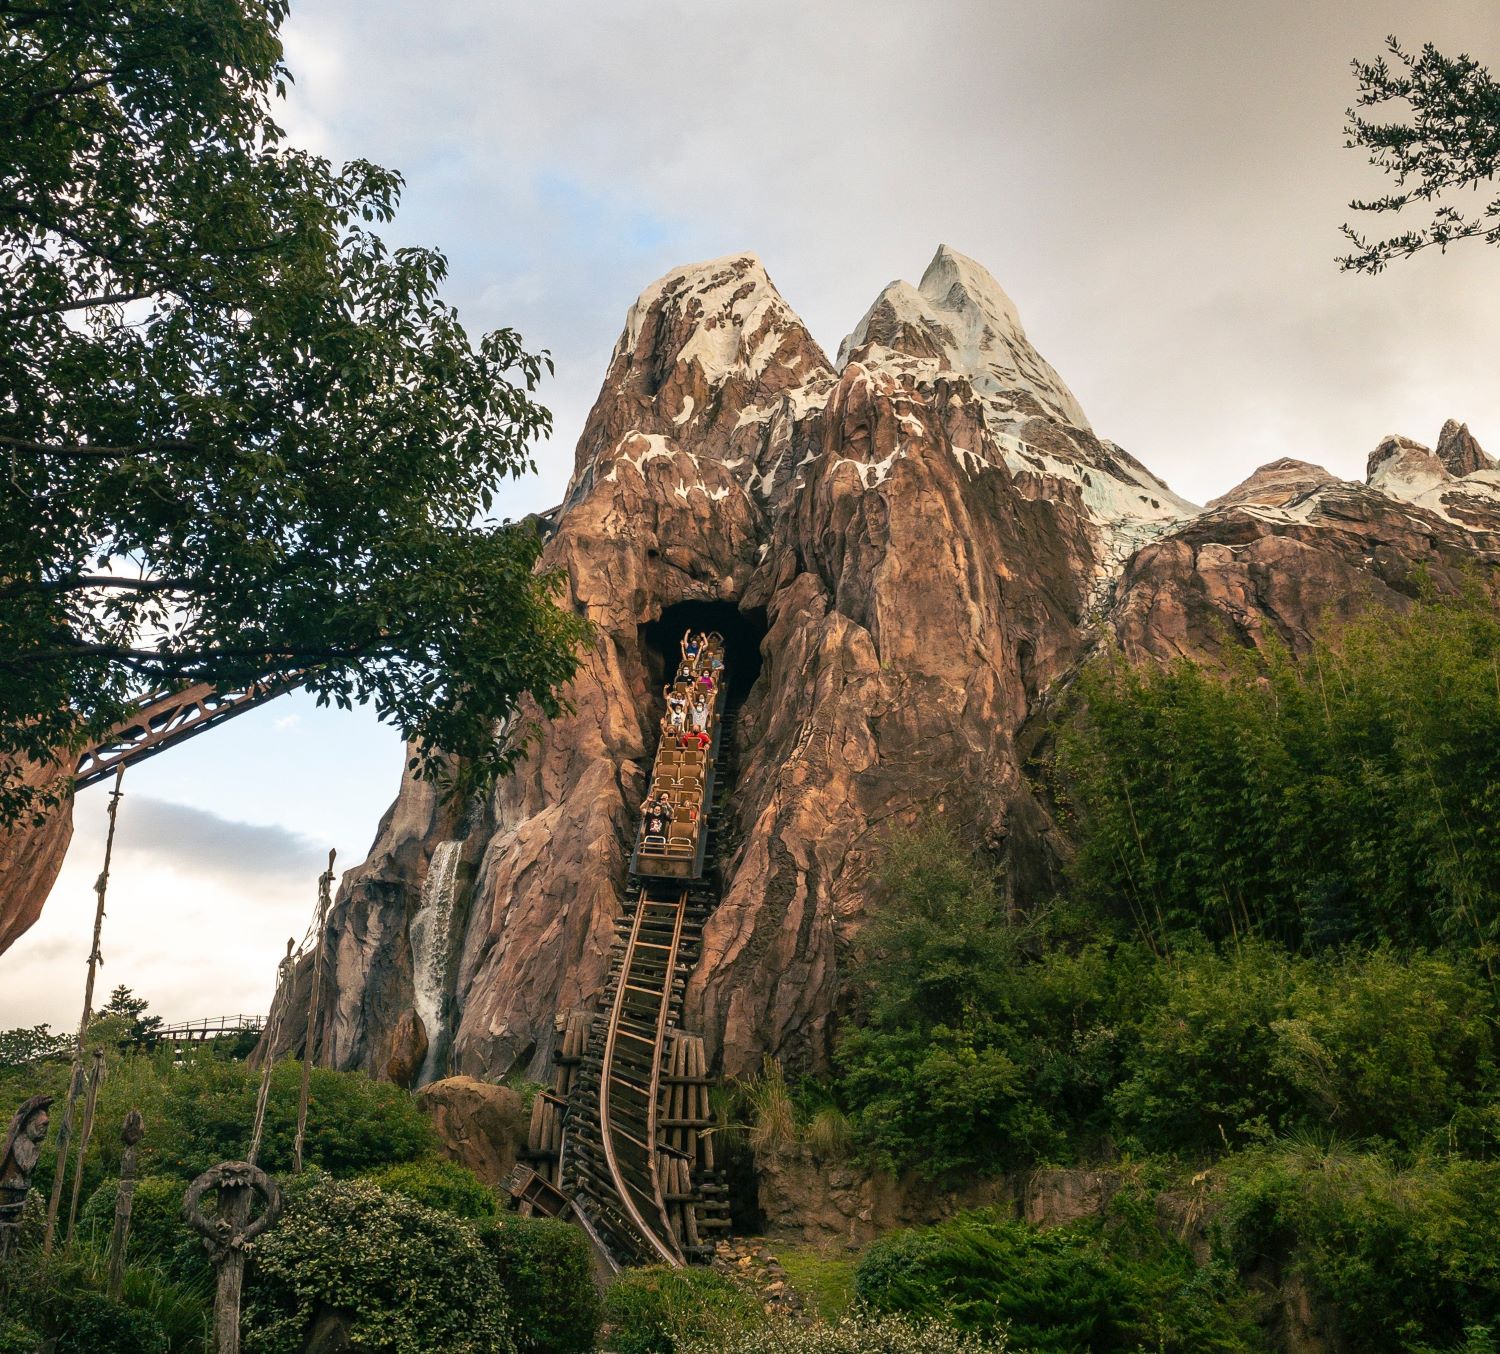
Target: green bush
x,y
853,1333
62,1297
545,1267
658,1310
1381,1047
85,1322
1232,1048
158,1235
975,1046
1200,1072
200,1114
404,1278
1405,1258
1347,795
1086,1286
443,1185
17,1338
353,1123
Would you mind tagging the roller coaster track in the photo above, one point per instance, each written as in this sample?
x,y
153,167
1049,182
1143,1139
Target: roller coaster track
x,y
164,718
624,1139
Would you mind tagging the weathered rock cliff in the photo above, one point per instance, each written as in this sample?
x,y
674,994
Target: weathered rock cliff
x,y
31,854
905,551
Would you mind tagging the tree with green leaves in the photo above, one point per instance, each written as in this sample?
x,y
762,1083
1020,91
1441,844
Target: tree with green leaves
x,y
141,1030
241,437
1445,142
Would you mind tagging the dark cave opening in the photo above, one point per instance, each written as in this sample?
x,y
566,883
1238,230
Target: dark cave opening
x,y
743,633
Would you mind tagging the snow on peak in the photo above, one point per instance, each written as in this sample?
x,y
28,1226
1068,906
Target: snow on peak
x,y
726,314
1402,468
959,319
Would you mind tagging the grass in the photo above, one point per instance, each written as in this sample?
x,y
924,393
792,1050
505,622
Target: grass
x,y
824,1280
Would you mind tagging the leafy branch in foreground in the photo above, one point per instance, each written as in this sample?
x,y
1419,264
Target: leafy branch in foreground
x,y
240,436
1448,142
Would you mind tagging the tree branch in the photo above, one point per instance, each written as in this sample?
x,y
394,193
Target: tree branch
x,y
84,303
83,450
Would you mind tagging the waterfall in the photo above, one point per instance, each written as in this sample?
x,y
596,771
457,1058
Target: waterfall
x,y
431,943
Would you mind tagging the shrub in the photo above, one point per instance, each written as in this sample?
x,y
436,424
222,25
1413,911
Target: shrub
x,y
973,1048
17,1338
1086,1286
1347,795
157,1232
1201,1071
406,1279
547,1272
1405,1258
853,1333
443,1185
1233,1048
1383,1047
84,1322
658,1310
62,1297
353,1122
199,1115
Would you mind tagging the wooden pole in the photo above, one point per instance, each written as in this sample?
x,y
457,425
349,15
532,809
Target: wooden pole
x,y
84,1134
325,887
101,885
131,1132
227,1233
273,1026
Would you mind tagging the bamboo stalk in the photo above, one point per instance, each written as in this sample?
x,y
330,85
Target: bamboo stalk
x,y
75,1080
273,1027
325,886
84,1134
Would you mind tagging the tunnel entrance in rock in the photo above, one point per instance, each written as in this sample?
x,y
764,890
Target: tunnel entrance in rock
x,y
743,632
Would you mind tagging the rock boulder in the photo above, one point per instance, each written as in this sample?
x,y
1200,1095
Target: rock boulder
x,y
479,1125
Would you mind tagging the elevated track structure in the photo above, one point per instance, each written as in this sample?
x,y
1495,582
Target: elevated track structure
x,y
624,1138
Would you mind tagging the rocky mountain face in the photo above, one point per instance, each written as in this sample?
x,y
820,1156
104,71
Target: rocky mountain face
x,y
906,549
31,854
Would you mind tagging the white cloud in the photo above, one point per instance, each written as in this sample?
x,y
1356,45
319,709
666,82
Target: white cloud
x,y
1159,185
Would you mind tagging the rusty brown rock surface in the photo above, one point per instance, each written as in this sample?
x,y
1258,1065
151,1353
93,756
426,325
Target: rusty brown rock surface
x,y
478,1125
908,550
31,854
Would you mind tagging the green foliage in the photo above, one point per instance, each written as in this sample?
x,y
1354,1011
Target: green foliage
x,y
63,1298
1234,1047
200,1114
659,1310
353,1122
1103,1287
1346,796
853,1333
17,1338
158,1235
218,377
546,1269
87,1322
407,1279
141,1032
975,1046
440,1184
824,1282
1447,140
1201,1072
21,1047
1407,1259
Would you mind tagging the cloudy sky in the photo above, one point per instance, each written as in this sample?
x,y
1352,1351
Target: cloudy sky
x,y
1159,186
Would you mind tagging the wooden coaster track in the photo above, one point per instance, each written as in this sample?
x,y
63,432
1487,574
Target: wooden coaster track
x,y
624,1138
